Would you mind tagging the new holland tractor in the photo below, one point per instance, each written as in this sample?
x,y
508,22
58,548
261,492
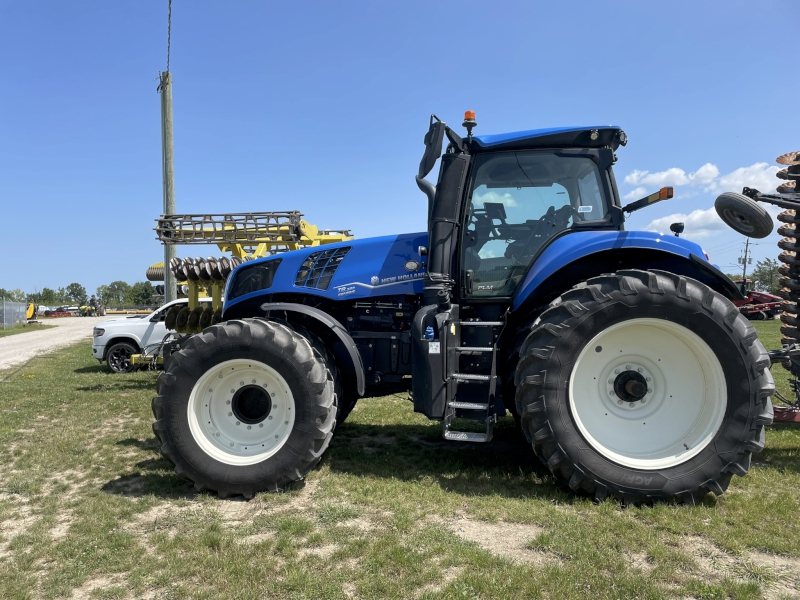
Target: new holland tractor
x,y
620,353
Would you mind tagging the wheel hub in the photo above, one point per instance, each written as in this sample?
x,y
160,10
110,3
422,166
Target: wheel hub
x,y
251,404
630,386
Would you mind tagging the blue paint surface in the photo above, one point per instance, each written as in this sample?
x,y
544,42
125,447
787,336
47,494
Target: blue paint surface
x,y
487,141
375,267
579,244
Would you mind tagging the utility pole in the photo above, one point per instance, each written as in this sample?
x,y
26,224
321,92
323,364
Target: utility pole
x,y
744,266
168,176
167,164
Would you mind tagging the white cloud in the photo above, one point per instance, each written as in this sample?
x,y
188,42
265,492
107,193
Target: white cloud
x,y
635,194
505,199
760,176
674,176
699,223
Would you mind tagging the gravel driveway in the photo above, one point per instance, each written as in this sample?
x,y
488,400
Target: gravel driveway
x,y
17,349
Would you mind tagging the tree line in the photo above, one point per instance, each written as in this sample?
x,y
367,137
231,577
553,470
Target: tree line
x,y
116,293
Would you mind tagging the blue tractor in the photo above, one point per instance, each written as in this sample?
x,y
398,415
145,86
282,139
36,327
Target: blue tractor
x,y
619,353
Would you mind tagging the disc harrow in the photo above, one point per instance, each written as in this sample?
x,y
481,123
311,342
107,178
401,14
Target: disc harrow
x,y
787,196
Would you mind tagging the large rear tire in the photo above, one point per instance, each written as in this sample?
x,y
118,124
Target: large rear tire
x,y
644,386
246,406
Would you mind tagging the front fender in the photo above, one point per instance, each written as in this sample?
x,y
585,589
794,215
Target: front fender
x,y
576,256
334,326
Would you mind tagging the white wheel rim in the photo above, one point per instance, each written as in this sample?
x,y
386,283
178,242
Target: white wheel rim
x,y
679,415
223,421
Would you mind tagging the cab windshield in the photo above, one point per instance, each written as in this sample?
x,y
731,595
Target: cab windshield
x,y
518,201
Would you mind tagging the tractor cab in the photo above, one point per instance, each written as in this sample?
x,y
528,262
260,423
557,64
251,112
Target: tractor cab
x,y
499,201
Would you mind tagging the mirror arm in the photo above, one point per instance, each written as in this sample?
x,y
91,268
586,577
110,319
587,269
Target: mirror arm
x,y
428,189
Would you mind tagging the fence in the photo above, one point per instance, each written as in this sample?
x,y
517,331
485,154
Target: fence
x,y
12,313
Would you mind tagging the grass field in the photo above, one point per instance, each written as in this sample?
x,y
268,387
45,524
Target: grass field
x,y
23,329
89,509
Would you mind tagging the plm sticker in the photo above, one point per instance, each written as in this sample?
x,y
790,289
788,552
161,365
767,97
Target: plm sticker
x,y
434,348
584,209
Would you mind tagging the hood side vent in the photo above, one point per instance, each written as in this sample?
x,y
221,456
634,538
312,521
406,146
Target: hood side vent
x,y
318,268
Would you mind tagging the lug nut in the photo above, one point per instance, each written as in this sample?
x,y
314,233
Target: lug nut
x,y
237,423
249,427
230,414
619,402
227,402
270,417
616,371
218,434
610,381
627,367
260,424
631,404
612,393
647,379
649,390
254,380
233,391
639,369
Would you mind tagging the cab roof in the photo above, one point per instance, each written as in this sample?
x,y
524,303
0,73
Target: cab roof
x,y
552,137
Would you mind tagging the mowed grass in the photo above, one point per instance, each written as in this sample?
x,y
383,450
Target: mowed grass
x,y
23,329
89,509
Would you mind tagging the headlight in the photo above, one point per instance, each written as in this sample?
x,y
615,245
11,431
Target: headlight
x,y
97,332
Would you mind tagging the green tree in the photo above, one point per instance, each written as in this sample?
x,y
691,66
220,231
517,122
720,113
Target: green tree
x,y
114,294
765,276
76,293
140,294
46,297
12,295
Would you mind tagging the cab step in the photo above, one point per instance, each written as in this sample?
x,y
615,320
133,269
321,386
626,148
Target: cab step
x,y
468,405
471,377
467,436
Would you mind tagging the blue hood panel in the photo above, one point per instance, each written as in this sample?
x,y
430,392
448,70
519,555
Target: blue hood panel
x,y
576,245
372,267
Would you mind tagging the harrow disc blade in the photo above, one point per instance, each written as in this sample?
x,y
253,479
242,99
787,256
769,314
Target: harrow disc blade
x,y
790,158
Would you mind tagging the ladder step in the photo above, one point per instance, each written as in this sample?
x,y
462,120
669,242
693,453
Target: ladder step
x,y
470,377
468,405
474,349
466,436
481,323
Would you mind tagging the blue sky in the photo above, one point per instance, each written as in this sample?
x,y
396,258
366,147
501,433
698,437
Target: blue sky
x,y
322,106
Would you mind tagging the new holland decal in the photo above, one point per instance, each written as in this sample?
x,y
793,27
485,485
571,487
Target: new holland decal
x,y
377,283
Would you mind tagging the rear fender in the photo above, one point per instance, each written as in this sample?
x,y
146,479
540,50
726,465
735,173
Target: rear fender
x,y
579,256
329,330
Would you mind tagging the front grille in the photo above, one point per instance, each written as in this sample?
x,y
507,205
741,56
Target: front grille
x,y
317,270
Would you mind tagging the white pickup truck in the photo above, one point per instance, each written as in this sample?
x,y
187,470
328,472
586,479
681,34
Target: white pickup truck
x,y
115,340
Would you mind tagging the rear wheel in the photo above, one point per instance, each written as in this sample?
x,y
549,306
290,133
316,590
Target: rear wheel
x,y
644,386
246,406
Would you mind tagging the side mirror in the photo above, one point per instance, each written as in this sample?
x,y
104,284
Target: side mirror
x,y
433,146
664,193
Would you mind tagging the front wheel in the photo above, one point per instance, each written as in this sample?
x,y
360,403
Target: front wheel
x,y
246,406
118,357
644,386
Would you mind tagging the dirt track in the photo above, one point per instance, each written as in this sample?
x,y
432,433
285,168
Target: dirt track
x,y
17,349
